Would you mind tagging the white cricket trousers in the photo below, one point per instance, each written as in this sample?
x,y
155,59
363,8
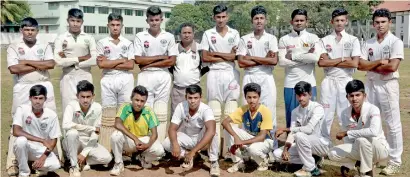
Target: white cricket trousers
x,y
362,149
120,143
223,85
26,150
158,84
385,95
303,149
68,84
188,142
73,144
116,89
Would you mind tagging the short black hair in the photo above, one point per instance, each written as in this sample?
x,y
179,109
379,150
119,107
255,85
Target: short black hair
x,y
355,86
154,11
76,13
187,24
219,9
85,86
303,87
29,22
383,12
339,12
299,12
38,90
258,10
140,90
115,16
192,89
252,87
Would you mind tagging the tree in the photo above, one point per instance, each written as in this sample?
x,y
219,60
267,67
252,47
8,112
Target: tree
x,y
14,11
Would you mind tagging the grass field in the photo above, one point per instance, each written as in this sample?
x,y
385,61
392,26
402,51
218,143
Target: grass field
x,y
331,168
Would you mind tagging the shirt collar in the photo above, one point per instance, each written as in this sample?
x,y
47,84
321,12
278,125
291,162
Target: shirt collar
x,y
263,34
301,32
90,111
343,33
229,29
129,109
68,34
119,37
182,49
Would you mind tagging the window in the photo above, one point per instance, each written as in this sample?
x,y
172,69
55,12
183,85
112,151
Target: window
x,y
103,10
139,13
402,19
402,37
87,9
128,12
102,30
129,30
167,14
117,11
137,30
393,20
89,29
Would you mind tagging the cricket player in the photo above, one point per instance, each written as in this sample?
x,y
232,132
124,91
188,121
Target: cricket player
x,y
136,126
116,58
219,46
362,132
187,69
305,135
339,61
36,129
258,53
155,52
381,58
298,56
192,129
81,123
254,139
75,51
28,60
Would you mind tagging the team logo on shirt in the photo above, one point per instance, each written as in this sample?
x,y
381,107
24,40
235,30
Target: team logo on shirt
x,y
21,51
290,46
40,51
386,49
124,49
298,124
77,114
348,46
193,55
65,44
28,120
370,52
163,42
107,50
146,44
86,41
305,45
231,40
232,86
266,45
352,125
213,39
328,48
249,45
43,126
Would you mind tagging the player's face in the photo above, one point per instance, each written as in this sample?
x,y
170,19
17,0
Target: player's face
x,y
154,22
29,33
193,100
252,98
138,102
187,35
381,24
74,24
299,22
356,99
221,19
339,22
37,102
115,27
303,98
259,22
85,98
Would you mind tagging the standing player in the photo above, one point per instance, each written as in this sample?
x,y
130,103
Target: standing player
x,y
155,52
29,61
219,46
193,128
381,58
116,58
257,53
75,51
36,129
343,53
297,54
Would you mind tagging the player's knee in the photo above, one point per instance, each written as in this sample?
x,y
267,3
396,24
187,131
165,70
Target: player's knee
x,y
21,142
116,137
72,134
277,154
255,149
158,150
362,141
300,138
333,155
105,158
167,144
53,165
161,110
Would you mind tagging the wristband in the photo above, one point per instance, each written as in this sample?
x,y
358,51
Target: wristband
x,y
47,152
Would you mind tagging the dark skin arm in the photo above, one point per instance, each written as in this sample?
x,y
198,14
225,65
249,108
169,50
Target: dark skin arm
x,y
391,66
208,57
209,134
325,61
285,153
154,135
21,69
172,135
365,65
163,63
349,62
128,65
244,63
143,60
104,63
40,65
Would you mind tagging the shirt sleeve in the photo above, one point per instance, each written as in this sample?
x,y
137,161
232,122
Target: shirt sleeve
x,y
208,115
318,114
273,44
310,57
241,48
283,61
267,123
397,50
63,62
172,47
12,56
131,52
18,117
48,53
365,52
178,113
237,39
204,43
236,116
55,131
372,130
93,52
356,48
123,112
138,47
99,48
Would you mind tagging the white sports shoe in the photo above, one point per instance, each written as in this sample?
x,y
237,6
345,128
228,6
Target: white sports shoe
x,y
390,169
236,167
75,172
117,169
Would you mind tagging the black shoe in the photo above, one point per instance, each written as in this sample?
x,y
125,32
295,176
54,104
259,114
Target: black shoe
x,y
344,170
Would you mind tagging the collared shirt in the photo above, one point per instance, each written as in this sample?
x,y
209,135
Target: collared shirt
x,y
74,118
124,49
191,125
261,120
45,127
302,65
38,52
147,45
212,41
348,46
139,127
251,46
186,70
73,48
391,47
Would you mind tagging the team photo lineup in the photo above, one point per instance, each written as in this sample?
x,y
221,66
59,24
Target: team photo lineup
x,y
158,116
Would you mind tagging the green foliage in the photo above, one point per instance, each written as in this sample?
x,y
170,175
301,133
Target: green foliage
x,y
14,11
